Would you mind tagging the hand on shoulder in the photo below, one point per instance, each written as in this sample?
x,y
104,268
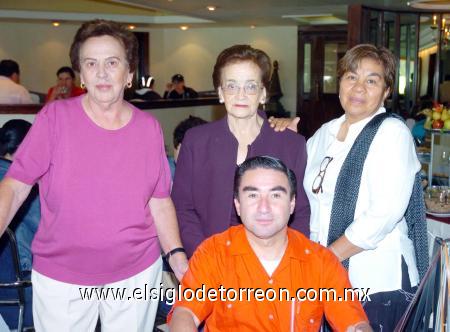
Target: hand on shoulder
x,y
281,124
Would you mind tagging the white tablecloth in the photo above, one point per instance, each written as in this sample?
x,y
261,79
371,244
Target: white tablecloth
x,y
437,228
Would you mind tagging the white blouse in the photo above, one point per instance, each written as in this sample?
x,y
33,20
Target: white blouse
x,y
386,186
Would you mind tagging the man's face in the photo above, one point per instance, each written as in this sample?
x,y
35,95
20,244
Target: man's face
x,y
178,85
65,80
264,203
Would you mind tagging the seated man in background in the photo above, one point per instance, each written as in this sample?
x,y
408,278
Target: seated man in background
x,y
178,90
146,91
264,256
26,220
11,92
171,282
180,131
178,136
65,85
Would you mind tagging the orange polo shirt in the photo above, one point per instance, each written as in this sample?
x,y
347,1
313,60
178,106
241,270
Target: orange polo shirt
x,y
227,260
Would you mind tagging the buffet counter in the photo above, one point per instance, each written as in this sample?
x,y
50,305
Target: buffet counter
x,y
438,226
144,105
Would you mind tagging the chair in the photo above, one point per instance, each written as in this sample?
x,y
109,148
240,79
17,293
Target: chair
x,y
15,286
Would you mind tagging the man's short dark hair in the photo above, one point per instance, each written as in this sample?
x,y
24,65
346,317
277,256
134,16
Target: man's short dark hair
x,y
67,70
183,127
265,162
12,134
8,67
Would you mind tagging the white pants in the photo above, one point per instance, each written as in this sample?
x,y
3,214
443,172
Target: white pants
x,y
58,307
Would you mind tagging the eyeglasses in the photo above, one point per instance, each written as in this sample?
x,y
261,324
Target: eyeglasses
x,y
317,183
250,88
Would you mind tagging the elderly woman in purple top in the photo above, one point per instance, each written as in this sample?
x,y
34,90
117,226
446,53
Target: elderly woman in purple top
x,y
203,185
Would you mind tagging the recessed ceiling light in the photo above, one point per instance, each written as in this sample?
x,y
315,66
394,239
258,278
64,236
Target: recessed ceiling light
x,y
131,27
252,26
211,8
55,24
184,27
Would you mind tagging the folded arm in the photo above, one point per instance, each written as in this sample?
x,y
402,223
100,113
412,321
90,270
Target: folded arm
x,y
389,171
346,315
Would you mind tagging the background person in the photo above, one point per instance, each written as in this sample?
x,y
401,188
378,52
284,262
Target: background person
x,y
202,189
26,221
264,253
146,91
11,92
104,179
178,90
376,241
65,85
178,136
181,130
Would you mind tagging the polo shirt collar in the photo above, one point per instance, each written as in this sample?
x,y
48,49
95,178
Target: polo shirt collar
x,y
239,244
297,247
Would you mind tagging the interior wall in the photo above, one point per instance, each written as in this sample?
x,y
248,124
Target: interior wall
x,y
194,52
41,49
167,117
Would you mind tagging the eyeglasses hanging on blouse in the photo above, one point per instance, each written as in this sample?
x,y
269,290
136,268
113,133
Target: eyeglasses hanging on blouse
x,y
317,183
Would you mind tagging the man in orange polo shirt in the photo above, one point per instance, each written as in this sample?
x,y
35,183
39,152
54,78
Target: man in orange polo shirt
x,y
262,275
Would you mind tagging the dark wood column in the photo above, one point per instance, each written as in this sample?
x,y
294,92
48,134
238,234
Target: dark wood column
x,y
355,19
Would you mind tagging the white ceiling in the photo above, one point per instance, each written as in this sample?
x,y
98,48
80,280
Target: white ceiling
x,y
260,12
172,13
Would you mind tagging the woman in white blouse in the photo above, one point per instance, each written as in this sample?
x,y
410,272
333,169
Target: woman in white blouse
x,y
381,256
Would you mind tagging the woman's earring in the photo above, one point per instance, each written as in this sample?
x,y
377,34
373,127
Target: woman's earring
x,y
129,84
82,85
263,103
